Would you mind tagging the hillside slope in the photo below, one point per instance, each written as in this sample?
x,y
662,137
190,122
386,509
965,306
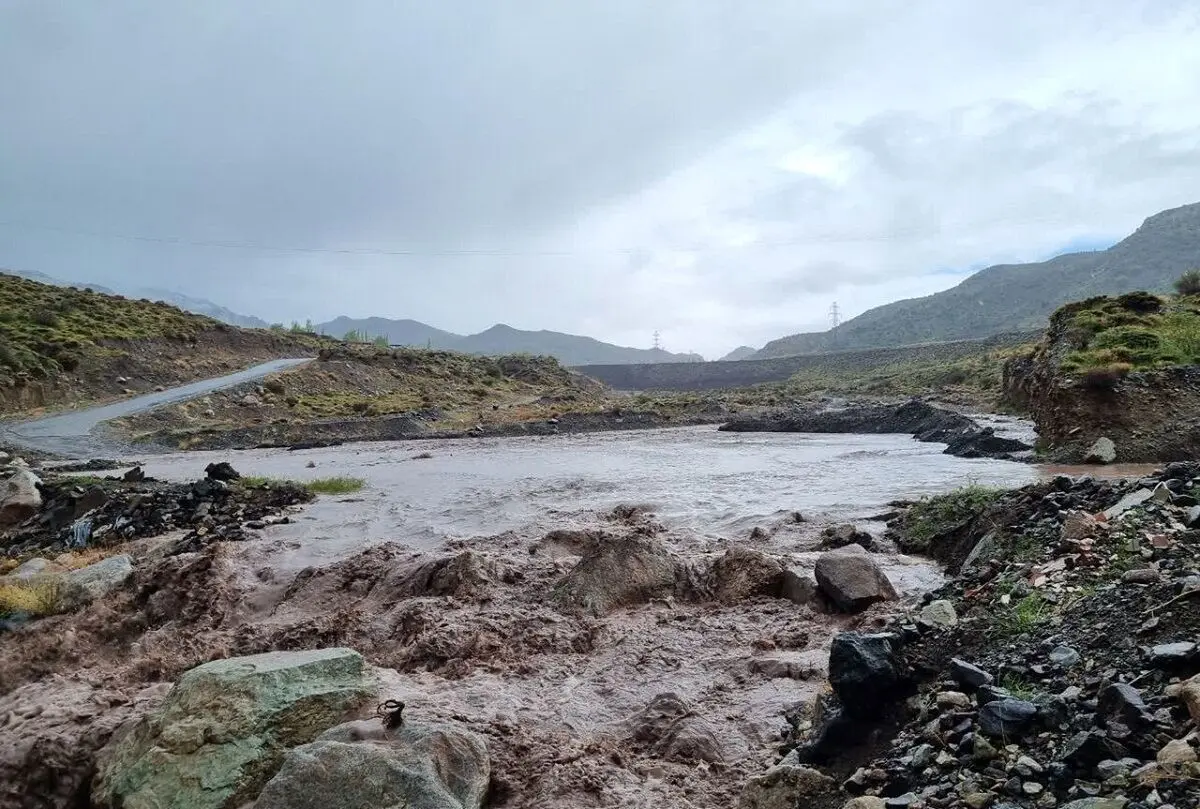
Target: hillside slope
x,y
569,349
1017,297
61,345
199,306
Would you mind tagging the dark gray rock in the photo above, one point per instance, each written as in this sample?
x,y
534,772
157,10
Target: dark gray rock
x,y
1005,718
968,675
865,673
1168,655
1086,749
1121,703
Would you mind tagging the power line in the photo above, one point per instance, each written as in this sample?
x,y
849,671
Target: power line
x,y
428,253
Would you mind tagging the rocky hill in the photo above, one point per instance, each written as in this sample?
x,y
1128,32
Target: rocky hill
x,y
61,345
1018,297
199,306
1115,379
569,349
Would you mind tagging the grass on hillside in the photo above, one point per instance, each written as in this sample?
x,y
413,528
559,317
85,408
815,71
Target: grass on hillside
x,y
1137,331
331,485
46,329
375,382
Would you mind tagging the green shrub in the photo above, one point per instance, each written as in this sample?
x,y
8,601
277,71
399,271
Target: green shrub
x,y
935,515
1188,283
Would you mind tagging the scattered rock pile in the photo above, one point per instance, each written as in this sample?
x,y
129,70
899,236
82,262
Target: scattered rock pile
x,y
71,515
1061,669
925,422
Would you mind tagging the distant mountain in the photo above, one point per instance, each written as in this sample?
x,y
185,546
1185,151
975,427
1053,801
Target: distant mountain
x,y
42,278
570,349
739,353
202,306
1018,297
398,332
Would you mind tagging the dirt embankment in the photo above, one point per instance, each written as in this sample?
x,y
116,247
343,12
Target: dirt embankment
x,y
368,394
1114,380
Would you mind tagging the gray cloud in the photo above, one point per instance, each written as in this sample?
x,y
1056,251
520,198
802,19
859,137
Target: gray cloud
x,y
657,146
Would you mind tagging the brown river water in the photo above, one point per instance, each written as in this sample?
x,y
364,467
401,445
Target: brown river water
x,y
695,478
563,717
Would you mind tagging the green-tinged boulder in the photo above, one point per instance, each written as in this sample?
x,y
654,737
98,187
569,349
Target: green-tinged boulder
x,y
361,766
85,585
225,727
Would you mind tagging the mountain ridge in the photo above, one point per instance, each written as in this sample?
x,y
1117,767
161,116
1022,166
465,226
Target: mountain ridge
x,y
1018,297
500,338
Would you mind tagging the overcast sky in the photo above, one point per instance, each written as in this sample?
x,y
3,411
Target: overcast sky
x,y
719,170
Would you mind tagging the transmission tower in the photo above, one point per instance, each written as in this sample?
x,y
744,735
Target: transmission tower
x,y
834,315
657,341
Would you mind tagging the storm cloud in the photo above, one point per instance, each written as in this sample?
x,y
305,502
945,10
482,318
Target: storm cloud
x,y
720,171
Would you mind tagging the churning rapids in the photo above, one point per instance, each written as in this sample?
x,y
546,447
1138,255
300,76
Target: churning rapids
x,y
449,569
712,483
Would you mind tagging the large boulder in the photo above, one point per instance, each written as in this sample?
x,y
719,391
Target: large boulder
x,y
360,765
852,579
742,573
85,585
624,571
225,727
866,672
20,497
786,786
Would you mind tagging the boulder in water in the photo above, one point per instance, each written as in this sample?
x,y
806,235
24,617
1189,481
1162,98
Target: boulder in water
x,y
624,571
743,573
852,579
222,471
225,726
85,585
416,766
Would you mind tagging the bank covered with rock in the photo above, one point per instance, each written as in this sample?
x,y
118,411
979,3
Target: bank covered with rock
x,y
1064,670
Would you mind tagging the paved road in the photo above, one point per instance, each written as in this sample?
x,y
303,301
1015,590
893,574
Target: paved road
x,y
71,433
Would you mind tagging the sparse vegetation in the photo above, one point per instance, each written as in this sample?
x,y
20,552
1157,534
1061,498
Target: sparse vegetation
x,y
1188,283
330,485
38,596
936,515
1025,615
47,329
335,485
1112,337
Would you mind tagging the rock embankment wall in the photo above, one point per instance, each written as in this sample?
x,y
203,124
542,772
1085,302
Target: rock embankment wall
x,y
743,373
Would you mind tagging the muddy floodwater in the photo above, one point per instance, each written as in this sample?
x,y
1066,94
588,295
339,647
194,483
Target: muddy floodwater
x,y
457,570
695,478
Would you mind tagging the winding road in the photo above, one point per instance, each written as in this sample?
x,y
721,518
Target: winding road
x,y
72,433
